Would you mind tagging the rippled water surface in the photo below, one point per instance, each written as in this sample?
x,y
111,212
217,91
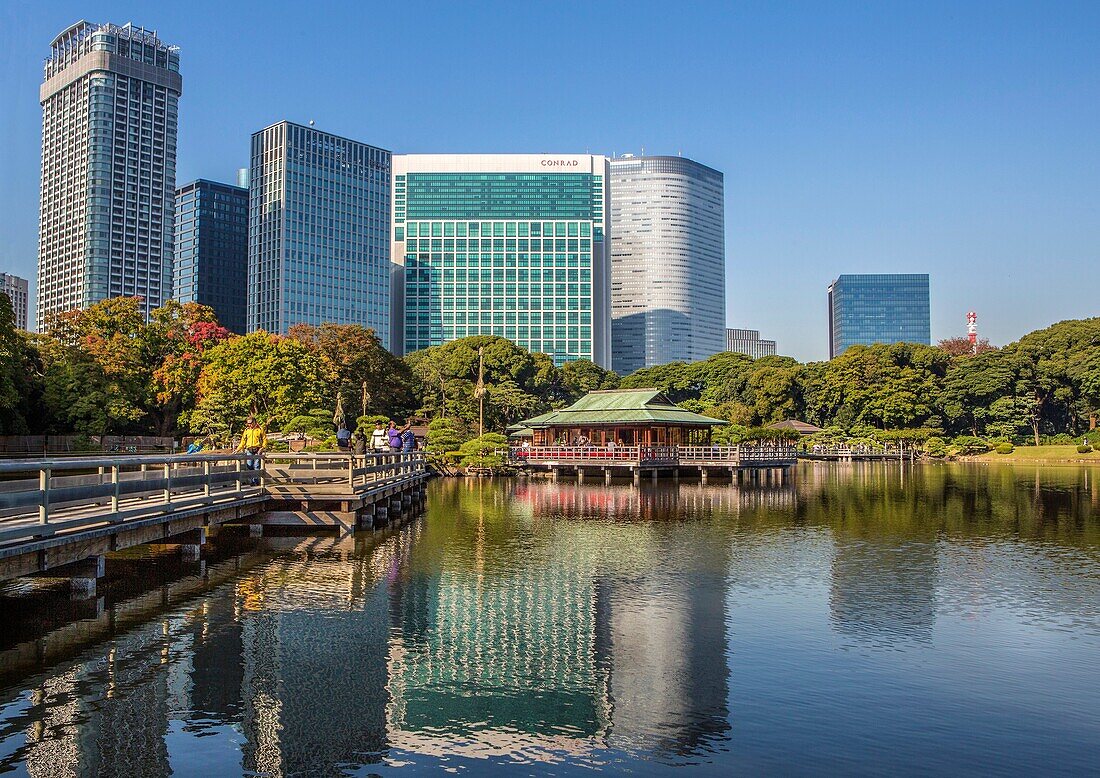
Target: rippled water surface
x,y
862,619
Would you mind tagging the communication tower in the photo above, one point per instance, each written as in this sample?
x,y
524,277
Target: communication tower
x,y
972,331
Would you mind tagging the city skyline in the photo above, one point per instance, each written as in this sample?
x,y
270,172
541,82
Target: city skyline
x,y
933,160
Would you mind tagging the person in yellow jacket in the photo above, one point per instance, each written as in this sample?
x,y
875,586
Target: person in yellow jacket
x,y
253,442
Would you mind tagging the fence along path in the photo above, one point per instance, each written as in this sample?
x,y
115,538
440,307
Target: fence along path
x,y
47,498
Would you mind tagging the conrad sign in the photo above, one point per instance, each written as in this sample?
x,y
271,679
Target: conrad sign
x,y
560,163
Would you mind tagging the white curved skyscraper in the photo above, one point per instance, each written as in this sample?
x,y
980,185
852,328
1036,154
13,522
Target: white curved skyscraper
x,y
668,276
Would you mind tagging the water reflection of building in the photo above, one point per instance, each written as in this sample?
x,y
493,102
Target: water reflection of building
x,y
315,639
606,630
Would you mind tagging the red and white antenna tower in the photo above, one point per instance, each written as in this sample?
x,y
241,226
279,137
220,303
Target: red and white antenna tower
x,y
972,331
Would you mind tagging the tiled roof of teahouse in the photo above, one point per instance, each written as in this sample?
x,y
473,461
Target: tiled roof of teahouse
x,y
801,427
619,406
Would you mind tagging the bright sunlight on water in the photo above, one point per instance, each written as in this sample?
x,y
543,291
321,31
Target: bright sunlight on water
x,y
864,618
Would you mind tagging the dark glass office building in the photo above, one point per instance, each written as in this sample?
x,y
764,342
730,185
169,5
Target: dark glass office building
x,y
211,257
880,308
318,244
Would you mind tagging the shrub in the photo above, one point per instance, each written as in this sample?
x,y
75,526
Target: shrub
x,y
1061,439
1084,449
1005,448
935,447
486,451
968,445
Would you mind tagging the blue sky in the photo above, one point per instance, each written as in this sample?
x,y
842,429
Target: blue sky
x,y
958,139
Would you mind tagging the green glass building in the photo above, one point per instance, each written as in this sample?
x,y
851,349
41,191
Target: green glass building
x,y
502,244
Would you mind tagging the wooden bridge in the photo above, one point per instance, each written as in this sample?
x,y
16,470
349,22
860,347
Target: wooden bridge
x,y
860,453
755,462
60,516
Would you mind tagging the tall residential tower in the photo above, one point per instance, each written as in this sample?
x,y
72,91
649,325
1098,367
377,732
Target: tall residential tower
x,y
502,244
109,115
212,250
668,271
318,234
878,308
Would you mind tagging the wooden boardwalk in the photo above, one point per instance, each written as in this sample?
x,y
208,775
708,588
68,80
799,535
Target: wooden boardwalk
x,y
62,515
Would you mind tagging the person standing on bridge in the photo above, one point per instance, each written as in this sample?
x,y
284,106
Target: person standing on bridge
x,y
379,442
253,441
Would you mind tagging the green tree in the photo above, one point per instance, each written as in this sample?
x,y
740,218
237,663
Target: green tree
x,y
583,376
353,355
276,377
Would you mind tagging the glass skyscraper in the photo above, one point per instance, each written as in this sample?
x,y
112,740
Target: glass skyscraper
x,y
211,264
318,232
502,244
109,116
878,308
668,262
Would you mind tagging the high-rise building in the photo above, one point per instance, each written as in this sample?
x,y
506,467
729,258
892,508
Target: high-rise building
x,y
318,236
749,342
878,308
16,290
502,244
211,264
109,114
668,268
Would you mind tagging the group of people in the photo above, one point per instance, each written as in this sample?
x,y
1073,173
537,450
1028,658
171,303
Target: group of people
x,y
388,439
384,439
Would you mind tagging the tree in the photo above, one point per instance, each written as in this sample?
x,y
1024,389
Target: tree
x,y
96,375
353,355
276,377
583,376
448,374
18,374
961,347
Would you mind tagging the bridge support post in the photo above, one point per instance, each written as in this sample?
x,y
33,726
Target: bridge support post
x,y
580,475
366,517
255,530
676,475
395,507
703,475
191,544
82,575
381,515
607,475
655,475
637,476
406,502
555,473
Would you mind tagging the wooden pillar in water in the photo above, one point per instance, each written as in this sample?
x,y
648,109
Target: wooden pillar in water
x,y
607,475
703,474
580,475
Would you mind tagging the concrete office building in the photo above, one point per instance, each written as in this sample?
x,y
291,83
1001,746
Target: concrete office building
x,y
16,290
749,342
211,254
109,115
668,272
878,308
502,244
318,236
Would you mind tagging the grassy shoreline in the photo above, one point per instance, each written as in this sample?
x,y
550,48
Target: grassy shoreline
x,y
1041,455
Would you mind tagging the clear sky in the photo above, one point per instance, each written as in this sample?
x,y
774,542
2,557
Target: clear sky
x,y
957,138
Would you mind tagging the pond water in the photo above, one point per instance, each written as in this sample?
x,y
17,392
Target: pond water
x,y
863,618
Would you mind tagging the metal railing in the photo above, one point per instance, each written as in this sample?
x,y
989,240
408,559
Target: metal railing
x,y
39,498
